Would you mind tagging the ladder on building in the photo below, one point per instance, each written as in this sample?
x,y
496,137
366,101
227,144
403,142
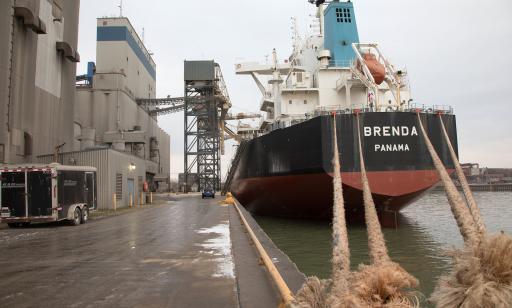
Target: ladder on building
x,y
234,165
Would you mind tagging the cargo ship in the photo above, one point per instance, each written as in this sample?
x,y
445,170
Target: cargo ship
x,y
284,166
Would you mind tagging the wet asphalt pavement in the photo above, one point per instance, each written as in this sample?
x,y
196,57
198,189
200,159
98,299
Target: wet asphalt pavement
x,y
177,254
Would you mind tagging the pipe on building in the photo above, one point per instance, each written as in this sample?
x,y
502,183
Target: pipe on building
x,y
11,65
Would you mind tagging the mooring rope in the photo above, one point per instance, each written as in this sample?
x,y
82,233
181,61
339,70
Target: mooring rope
x,y
482,271
383,283
459,209
316,293
376,243
340,247
473,207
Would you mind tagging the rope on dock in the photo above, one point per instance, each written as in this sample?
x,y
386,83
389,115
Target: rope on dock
x,y
475,211
458,207
482,271
316,293
383,283
340,244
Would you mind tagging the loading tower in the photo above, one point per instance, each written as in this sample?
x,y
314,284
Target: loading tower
x,y
206,106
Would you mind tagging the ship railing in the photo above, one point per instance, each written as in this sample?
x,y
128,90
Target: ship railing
x,y
328,110
430,108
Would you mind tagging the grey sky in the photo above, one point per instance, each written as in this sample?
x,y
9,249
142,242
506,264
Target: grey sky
x,y
457,53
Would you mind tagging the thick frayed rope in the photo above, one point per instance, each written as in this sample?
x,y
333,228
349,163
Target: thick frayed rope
x,y
480,277
458,206
384,283
475,211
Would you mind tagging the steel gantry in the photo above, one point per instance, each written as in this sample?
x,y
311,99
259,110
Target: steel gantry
x,y
205,105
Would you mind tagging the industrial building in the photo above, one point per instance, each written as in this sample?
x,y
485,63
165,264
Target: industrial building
x,y
108,116
52,115
38,40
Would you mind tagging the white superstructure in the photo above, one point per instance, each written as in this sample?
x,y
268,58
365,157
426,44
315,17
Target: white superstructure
x,y
317,78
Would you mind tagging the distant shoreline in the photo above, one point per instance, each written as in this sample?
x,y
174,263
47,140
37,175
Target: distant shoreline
x,y
481,187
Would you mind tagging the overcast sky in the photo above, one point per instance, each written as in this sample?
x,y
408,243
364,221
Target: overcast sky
x,y
457,53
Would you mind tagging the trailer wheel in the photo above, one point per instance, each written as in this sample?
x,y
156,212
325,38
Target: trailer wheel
x,y
85,214
77,217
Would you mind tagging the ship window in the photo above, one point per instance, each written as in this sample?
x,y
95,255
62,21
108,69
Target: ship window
x,y
349,20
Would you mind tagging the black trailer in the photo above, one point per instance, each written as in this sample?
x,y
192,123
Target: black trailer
x,y
45,193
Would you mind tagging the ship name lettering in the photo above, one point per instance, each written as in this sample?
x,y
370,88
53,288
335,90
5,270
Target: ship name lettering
x,y
390,131
392,148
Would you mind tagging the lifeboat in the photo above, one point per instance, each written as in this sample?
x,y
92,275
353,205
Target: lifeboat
x,y
376,68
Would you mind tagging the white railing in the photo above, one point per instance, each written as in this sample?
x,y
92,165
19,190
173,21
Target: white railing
x,y
327,110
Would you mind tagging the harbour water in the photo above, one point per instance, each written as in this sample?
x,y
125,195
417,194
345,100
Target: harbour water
x,y
427,230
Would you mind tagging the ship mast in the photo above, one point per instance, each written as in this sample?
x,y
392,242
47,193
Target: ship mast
x,y
276,82
320,15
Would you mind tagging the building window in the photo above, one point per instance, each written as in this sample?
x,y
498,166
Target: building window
x,y
290,102
119,186
28,144
305,102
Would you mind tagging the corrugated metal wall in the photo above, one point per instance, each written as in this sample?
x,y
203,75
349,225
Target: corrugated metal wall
x,y
109,163
199,70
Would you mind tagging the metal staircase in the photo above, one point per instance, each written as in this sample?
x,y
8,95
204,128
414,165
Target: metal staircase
x,y
234,165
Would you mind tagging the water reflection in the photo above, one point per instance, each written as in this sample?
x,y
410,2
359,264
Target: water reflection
x,y
427,230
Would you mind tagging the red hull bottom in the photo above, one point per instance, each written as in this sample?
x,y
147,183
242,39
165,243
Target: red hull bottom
x,y
310,195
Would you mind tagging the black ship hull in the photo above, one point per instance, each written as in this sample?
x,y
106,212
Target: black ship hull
x,y
288,172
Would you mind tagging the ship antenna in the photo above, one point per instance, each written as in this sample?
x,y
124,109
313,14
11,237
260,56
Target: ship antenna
x,y
274,58
295,33
120,8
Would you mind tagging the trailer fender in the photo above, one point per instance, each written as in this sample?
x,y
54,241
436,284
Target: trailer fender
x,y
71,210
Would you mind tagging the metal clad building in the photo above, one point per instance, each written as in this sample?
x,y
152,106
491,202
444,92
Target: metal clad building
x,y
112,166
107,114
199,70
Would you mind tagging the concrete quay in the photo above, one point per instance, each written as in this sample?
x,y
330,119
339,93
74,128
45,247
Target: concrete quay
x,y
184,252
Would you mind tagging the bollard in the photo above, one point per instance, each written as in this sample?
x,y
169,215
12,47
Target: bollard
x,y
131,200
141,200
114,202
151,198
